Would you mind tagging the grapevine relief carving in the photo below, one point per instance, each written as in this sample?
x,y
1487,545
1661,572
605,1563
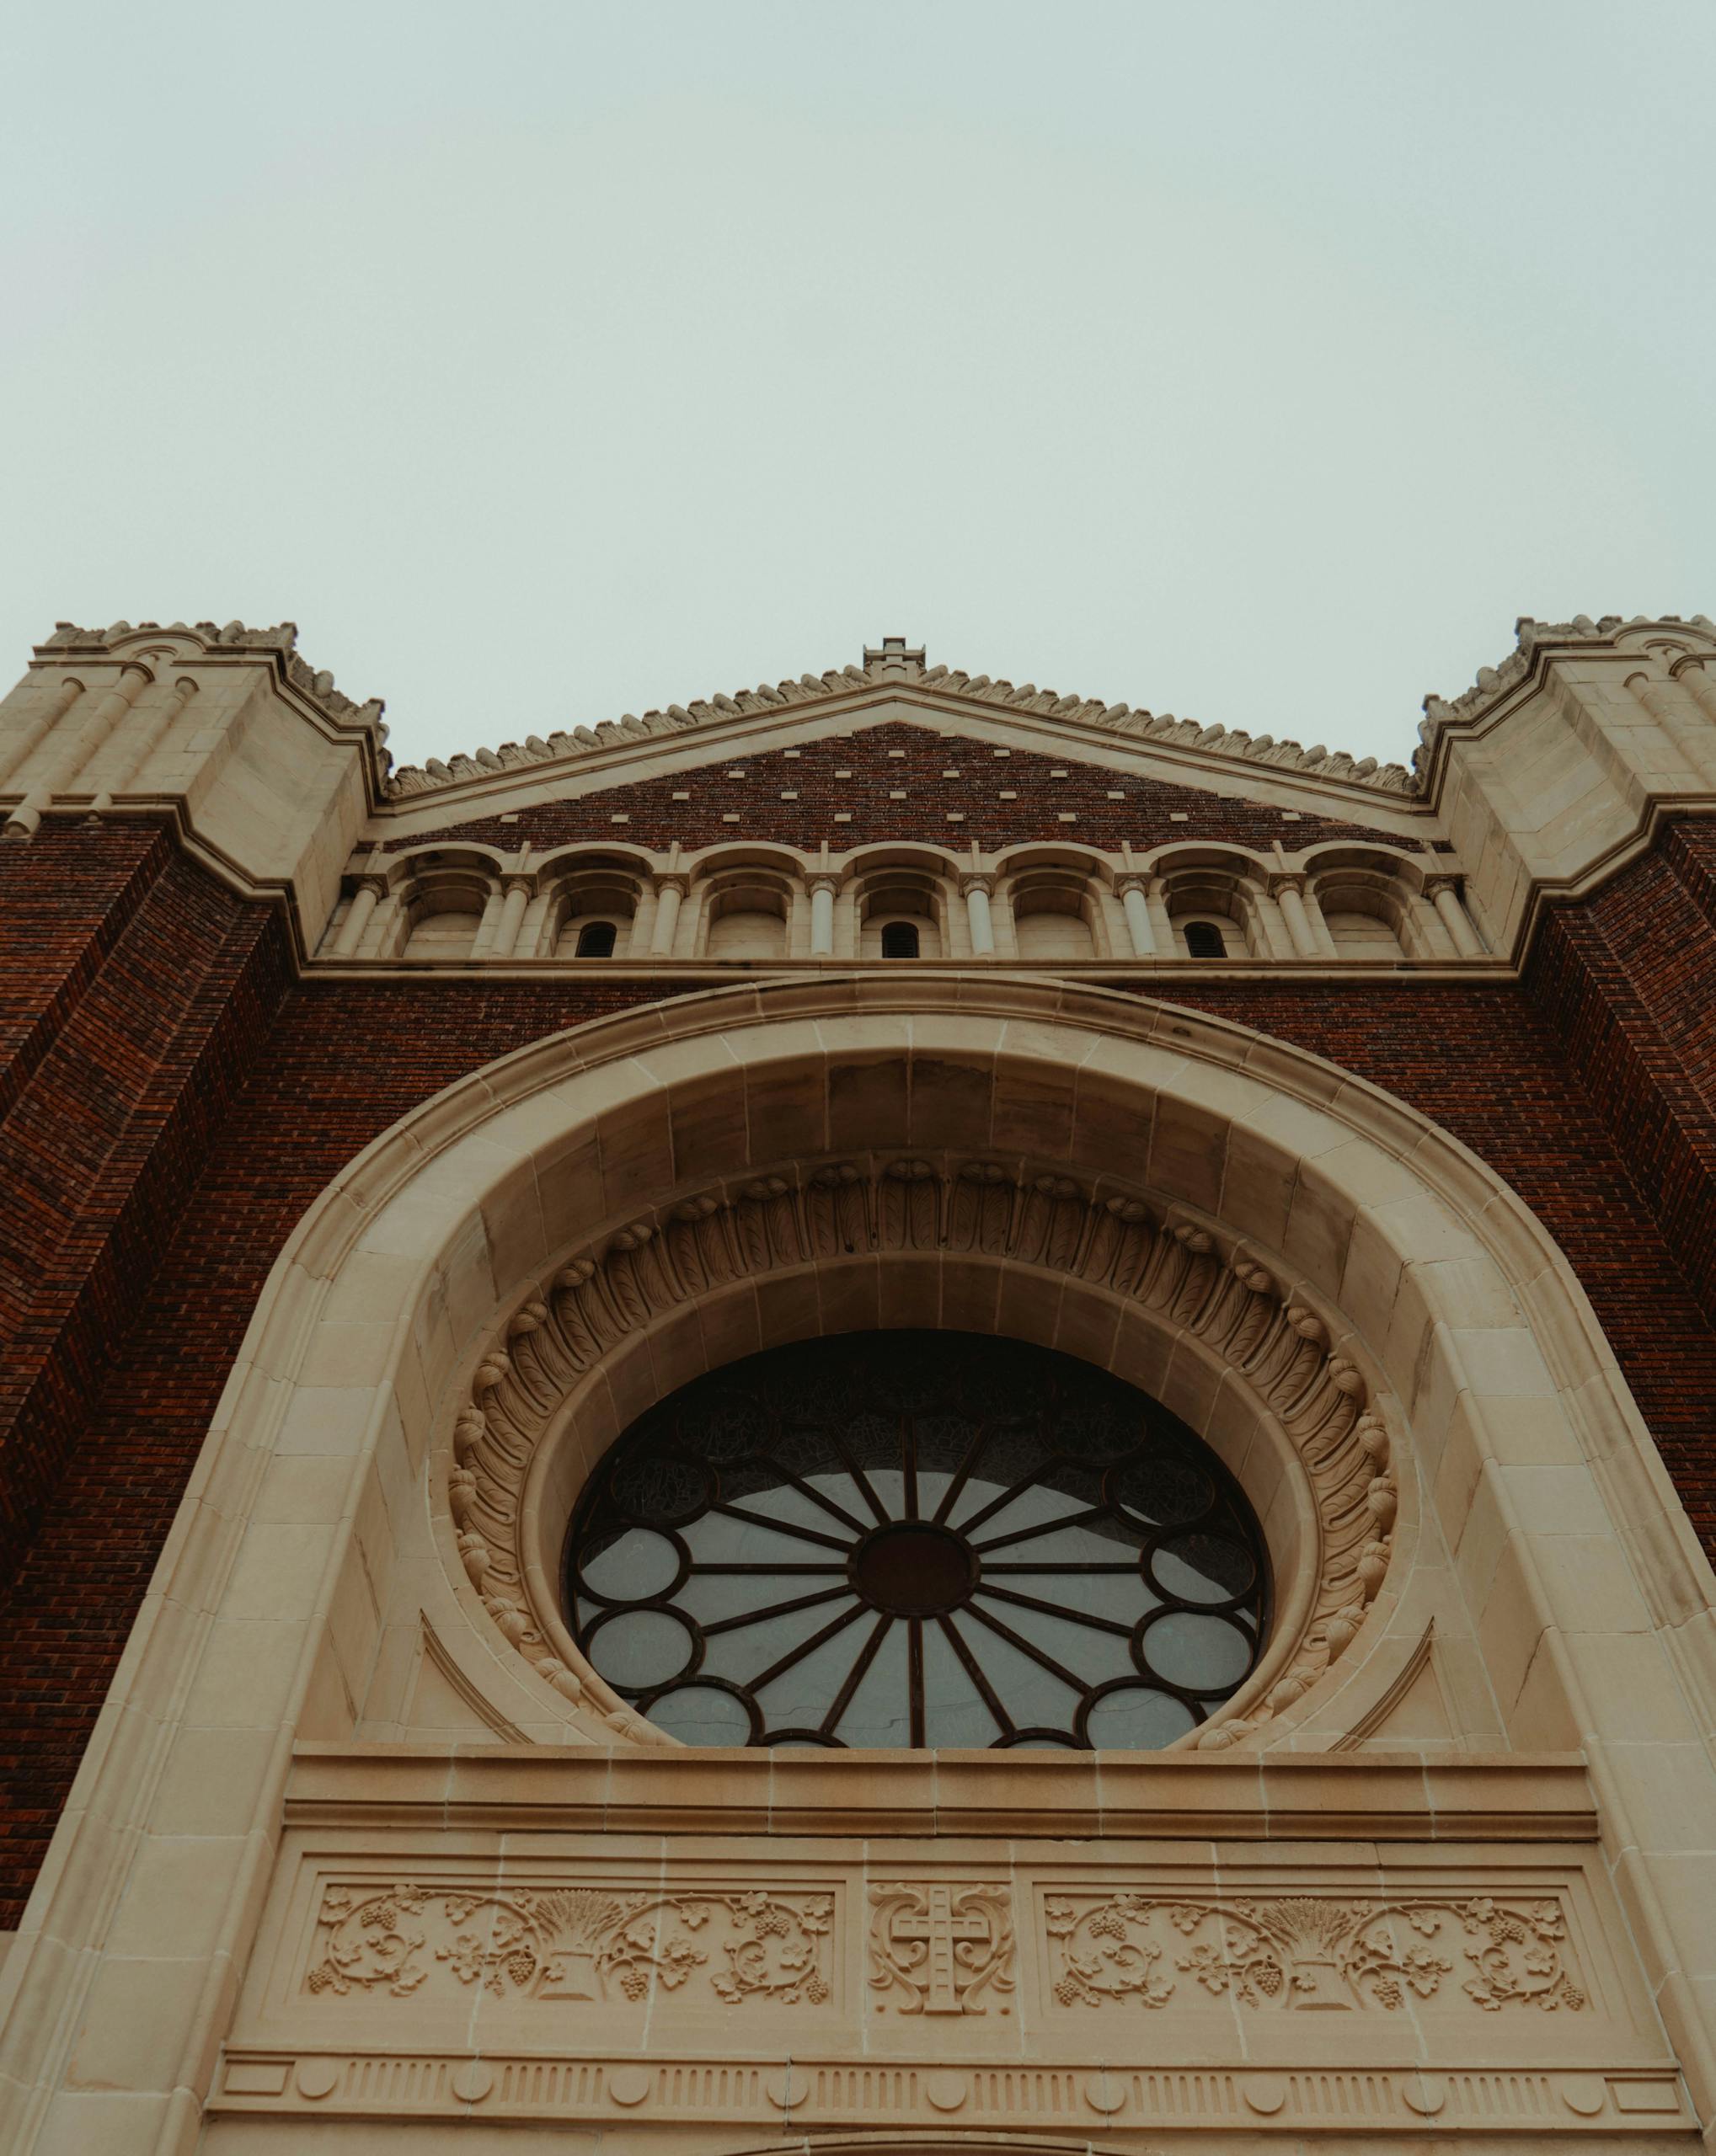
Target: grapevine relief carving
x,y
1307,1953
574,1943
1050,1222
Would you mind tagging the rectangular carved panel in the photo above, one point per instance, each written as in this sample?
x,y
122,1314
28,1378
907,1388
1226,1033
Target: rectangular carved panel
x,y
594,1940
753,1980
1311,1953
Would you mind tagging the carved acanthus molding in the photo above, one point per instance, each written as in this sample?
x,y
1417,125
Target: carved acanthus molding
x,y
843,1209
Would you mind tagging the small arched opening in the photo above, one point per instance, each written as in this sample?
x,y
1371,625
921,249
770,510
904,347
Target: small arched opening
x,y
444,911
597,907
1204,939
1054,915
900,939
899,917
747,918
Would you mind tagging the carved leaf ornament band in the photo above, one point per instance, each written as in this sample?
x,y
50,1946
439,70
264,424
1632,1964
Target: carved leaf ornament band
x,y
1309,1953
588,1943
863,1208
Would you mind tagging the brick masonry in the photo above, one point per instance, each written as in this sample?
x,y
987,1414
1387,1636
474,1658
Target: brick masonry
x,y
900,758
174,1102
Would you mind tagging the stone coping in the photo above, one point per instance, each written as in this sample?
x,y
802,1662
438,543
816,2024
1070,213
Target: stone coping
x,y
1378,1796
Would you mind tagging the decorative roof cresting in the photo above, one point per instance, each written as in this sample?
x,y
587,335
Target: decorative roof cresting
x,y
893,663
281,640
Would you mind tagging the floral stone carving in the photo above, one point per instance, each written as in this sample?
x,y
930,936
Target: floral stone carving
x,y
1306,1953
826,1214
583,1943
941,1949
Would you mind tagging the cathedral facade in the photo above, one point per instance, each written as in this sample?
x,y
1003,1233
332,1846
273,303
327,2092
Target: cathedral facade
x,y
893,1413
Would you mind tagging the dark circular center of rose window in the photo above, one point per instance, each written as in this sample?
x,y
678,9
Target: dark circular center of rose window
x,y
913,1571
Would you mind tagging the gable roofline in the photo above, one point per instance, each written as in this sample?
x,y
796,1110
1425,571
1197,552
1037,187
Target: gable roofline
x,y
895,665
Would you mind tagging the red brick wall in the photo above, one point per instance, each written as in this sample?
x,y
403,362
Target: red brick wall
x,y
194,1104
137,989
1145,815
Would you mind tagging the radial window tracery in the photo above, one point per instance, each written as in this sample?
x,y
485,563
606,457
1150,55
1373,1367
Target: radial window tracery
x,y
909,1539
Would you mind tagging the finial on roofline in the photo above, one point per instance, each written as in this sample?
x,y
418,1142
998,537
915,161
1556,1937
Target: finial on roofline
x,y
893,661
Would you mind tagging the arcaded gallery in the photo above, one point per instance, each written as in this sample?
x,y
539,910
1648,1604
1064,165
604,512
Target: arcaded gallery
x,y
891,1413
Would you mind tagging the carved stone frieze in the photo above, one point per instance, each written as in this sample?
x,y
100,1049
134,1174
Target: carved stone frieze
x,y
940,1948
1310,1953
1052,1223
598,1942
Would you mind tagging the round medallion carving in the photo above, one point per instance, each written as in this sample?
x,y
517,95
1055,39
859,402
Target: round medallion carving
x,y
471,2080
946,2090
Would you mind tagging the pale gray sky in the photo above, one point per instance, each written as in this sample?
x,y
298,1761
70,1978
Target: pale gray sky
x,y
548,361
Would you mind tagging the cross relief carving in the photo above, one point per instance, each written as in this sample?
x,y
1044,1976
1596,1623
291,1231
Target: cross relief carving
x,y
937,1948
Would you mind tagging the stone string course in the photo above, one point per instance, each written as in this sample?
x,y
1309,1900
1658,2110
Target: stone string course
x,y
199,1102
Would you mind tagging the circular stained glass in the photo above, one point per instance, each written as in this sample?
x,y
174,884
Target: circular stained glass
x,y
917,1539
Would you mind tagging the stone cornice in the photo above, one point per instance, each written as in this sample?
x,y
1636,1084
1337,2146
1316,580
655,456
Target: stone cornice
x,y
898,669
280,644
1536,644
1198,1795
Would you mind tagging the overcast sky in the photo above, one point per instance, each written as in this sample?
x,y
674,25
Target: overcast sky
x,y
548,361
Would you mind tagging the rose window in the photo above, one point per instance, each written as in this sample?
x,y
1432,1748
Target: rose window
x,y
916,1539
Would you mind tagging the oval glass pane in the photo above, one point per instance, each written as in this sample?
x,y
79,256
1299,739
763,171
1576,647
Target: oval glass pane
x,y
641,1648
1196,1652
639,1563
1137,1719
701,1714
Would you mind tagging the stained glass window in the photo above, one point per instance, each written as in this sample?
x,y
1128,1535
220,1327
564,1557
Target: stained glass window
x,y
917,1539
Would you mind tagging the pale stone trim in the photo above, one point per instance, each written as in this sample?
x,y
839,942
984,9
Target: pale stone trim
x,y
387,891
1161,1795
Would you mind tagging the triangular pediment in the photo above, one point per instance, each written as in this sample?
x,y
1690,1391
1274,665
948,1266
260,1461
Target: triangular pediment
x,y
889,776
896,686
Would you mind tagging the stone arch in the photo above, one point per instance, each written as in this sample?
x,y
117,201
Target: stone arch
x,y
885,1239
1430,1279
